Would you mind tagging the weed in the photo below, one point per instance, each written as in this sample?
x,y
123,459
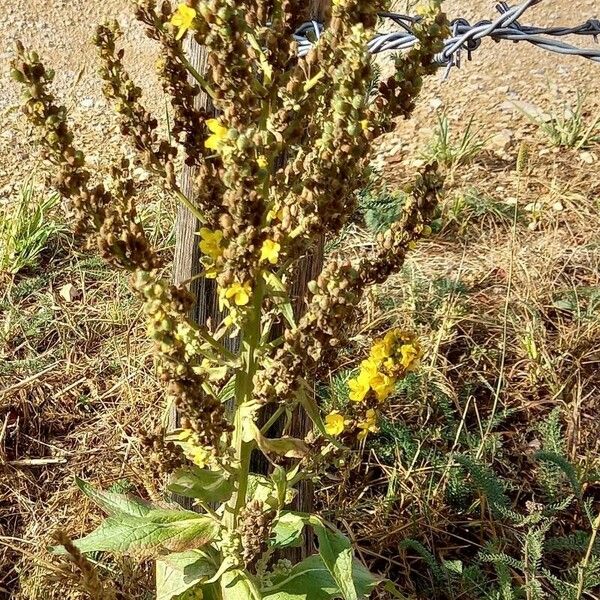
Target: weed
x,y
452,151
25,229
469,207
569,127
380,206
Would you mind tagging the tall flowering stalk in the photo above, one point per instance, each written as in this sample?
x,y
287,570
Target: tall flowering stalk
x,y
277,169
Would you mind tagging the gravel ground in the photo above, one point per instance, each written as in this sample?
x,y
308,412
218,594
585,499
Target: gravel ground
x,y
60,30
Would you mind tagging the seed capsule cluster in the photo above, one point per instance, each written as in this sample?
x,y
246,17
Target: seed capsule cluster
x,y
254,529
108,215
165,307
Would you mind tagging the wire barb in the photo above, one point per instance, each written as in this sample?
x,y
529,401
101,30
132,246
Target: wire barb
x,y
467,37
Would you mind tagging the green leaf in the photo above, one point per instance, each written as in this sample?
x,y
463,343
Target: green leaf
x,y
263,489
336,551
280,481
177,573
284,446
157,532
311,580
204,484
238,585
227,392
288,530
278,290
313,411
114,504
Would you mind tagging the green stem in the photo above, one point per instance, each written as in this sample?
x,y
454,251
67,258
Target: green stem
x,y
225,354
272,420
196,75
586,561
244,390
186,202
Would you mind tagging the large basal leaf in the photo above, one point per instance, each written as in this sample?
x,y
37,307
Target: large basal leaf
x,y
312,580
204,484
237,585
177,573
287,530
336,551
156,532
114,504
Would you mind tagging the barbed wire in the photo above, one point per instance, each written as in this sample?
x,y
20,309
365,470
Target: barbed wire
x,y
468,38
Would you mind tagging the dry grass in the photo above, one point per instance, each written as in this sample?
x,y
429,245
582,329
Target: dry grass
x,y
77,383
506,295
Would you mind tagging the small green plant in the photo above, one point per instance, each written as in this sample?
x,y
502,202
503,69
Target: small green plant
x,y
26,226
569,127
450,150
380,206
468,206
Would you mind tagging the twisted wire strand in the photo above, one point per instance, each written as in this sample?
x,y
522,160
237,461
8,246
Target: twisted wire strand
x,y
467,37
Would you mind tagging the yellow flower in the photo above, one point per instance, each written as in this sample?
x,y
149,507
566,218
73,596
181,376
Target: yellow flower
x,y
334,423
381,350
262,162
359,387
211,242
382,385
183,436
240,294
369,425
410,354
270,251
369,367
219,133
274,213
183,19
198,455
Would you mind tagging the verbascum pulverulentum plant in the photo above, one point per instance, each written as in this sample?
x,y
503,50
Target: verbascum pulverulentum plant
x,y
277,169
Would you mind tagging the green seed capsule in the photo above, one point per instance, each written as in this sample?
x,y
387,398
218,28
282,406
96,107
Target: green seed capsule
x,y
17,76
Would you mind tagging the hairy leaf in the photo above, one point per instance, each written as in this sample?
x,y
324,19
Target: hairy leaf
x,y
288,530
204,484
237,585
177,573
336,552
157,531
311,579
113,503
